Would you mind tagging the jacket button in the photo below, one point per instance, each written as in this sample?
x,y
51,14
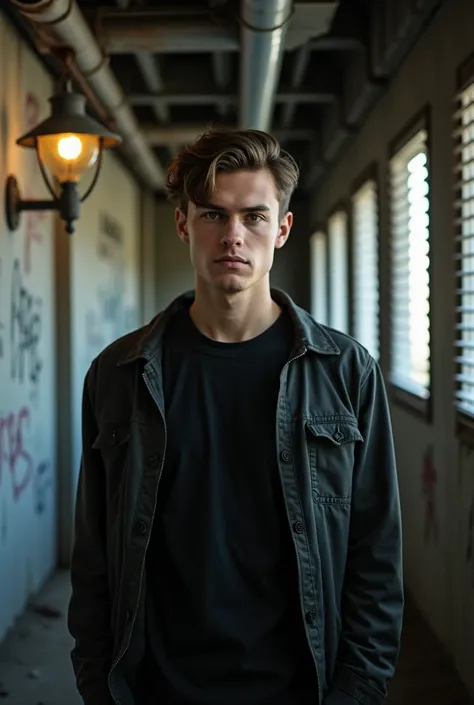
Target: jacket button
x,y
285,455
311,617
153,459
298,527
338,436
140,528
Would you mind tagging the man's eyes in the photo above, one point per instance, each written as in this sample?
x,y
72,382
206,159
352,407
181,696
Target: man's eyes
x,y
213,216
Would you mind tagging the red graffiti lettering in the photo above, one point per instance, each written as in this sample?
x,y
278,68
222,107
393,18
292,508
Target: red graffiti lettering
x,y
13,456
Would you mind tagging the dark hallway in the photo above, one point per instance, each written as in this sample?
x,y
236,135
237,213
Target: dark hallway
x,y
375,101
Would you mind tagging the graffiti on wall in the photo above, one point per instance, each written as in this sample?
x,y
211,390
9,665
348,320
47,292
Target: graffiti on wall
x,y
111,316
18,468
26,478
14,458
25,331
429,485
42,483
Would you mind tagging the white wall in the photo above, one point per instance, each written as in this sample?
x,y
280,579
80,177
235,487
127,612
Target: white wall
x,y
105,278
76,292
27,361
439,567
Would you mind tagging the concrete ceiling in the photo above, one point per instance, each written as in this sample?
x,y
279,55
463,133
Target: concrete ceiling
x,y
179,65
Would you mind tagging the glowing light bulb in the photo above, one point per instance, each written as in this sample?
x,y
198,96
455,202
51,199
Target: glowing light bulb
x,y
66,155
69,147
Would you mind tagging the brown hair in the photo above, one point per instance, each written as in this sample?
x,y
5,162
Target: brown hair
x,y
192,173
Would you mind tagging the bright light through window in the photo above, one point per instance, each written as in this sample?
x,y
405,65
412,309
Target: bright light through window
x,y
365,267
338,273
464,159
410,363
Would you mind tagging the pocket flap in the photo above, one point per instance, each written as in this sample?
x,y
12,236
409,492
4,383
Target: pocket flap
x,y
112,435
336,433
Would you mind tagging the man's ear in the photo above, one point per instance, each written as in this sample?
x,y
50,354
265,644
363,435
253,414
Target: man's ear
x,y
181,220
285,227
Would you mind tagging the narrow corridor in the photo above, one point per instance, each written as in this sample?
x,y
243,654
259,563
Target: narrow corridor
x,y
35,667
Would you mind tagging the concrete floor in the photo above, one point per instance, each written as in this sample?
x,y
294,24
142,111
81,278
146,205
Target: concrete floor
x,y
35,667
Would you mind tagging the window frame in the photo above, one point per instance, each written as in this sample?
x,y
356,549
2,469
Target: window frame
x,y
411,402
370,173
341,206
464,422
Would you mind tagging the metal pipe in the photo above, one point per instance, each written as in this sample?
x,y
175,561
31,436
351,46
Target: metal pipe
x,y
65,20
264,24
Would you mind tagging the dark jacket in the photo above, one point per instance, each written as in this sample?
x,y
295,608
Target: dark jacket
x,y
339,480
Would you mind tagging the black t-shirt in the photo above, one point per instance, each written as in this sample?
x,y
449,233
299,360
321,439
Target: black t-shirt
x,y
223,616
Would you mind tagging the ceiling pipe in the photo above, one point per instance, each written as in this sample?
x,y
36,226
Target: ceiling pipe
x,y
268,28
64,19
263,27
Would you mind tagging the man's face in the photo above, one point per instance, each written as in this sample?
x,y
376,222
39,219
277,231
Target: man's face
x,y
232,239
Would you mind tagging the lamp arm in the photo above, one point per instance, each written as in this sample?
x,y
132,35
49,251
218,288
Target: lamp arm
x,y
14,204
32,205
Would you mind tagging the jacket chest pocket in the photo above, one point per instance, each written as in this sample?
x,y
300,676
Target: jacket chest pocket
x,y
112,442
331,452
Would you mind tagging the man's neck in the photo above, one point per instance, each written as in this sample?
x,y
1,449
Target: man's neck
x,y
233,318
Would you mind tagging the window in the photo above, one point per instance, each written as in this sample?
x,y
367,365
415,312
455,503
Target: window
x,y
464,153
338,280
319,297
410,312
366,267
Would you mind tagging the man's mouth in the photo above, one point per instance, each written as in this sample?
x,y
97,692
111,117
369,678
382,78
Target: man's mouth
x,y
232,258
232,262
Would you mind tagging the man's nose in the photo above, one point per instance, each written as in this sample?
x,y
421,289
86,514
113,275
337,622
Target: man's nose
x,y
232,232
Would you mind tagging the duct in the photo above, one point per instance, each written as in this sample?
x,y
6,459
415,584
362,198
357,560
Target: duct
x,y
65,20
264,25
268,27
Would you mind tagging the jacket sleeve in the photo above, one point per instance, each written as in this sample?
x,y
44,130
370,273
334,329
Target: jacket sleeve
x,y
89,607
372,598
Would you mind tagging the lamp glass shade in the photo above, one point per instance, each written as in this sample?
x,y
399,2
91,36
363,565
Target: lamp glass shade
x,y
68,155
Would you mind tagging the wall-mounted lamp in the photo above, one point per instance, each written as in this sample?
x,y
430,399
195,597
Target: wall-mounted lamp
x,y
67,144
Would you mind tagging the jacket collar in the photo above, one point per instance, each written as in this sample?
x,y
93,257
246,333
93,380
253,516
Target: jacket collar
x,y
309,334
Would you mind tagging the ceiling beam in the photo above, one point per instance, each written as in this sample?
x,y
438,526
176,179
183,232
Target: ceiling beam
x,y
221,67
334,43
136,34
126,35
211,98
128,31
150,70
166,136
300,65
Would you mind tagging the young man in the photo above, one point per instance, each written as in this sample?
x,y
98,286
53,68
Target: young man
x,y
238,536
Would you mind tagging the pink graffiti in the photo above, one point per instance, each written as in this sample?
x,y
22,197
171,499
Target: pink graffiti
x,y
13,456
33,219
